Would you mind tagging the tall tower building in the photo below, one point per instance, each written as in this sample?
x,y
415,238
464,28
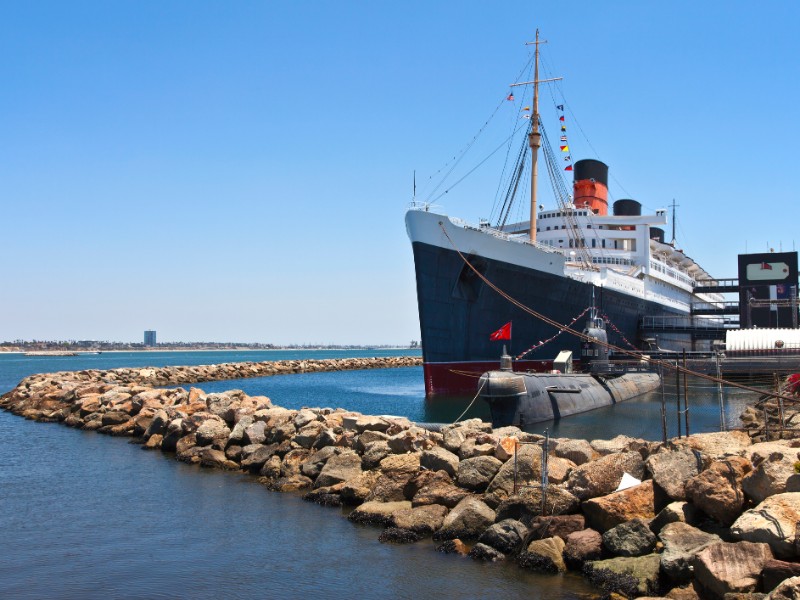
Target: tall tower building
x,y
150,338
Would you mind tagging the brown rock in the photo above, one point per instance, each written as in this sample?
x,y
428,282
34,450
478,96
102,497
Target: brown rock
x,y
724,568
602,476
776,571
582,546
556,526
717,491
544,555
609,511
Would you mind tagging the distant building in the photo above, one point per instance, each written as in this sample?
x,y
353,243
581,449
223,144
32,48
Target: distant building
x,y
150,338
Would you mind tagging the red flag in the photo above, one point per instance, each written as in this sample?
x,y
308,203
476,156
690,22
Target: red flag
x,y
765,266
568,168
510,96
561,118
504,333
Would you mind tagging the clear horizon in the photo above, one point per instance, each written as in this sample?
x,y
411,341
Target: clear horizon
x,y
241,171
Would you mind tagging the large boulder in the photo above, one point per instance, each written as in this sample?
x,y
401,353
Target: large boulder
x,y
435,488
776,521
396,471
675,512
527,504
357,489
562,526
671,469
528,471
468,520
544,555
506,536
632,538
339,468
377,513
618,445
475,474
440,459
213,430
582,546
602,476
577,451
312,466
717,491
724,568
681,543
421,519
609,511
629,576
717,445
773,464
374,453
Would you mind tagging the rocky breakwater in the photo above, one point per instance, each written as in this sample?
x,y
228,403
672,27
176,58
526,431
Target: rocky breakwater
x,y
709,516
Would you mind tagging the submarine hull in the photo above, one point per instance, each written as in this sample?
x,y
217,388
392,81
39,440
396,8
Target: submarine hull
x,y
524,398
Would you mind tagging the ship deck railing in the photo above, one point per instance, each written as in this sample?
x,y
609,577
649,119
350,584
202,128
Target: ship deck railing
x,y
520,238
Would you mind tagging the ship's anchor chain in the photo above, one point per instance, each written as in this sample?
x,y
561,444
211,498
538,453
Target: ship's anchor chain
x,y
617,331
558,333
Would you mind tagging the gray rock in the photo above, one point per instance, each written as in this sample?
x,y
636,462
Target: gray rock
x,y
440,459
629,576
671,469
307,436
485,552
578,451
681,543
632,538
374,453
212,430
339,468
255,433
468,520
528,471
312,467
476,473
776,521
674,512
507,536
237,433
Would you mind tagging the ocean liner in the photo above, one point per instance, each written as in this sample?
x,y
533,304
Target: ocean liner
x,y
560,263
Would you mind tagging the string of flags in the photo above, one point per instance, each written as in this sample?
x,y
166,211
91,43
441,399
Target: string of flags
x,y
560,331
563,139
607,319
564,143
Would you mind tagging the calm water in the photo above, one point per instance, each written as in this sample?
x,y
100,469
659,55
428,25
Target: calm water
x,y
84,515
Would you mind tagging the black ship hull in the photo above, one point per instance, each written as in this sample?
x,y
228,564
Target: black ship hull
x,y
458,312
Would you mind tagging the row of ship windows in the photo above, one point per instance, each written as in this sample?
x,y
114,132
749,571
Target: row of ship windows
x,y
556,227
579,213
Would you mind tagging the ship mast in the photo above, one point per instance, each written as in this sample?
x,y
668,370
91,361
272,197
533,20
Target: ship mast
x,y
535,137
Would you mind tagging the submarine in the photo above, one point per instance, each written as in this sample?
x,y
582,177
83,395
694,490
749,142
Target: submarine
x,y
524,398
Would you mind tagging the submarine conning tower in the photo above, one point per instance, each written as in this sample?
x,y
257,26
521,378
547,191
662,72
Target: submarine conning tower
x,y
590,187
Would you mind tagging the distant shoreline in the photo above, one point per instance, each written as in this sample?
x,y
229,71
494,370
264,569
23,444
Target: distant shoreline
x,y
45,353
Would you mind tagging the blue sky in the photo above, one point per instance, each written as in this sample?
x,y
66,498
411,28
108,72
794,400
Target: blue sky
x,y
240,171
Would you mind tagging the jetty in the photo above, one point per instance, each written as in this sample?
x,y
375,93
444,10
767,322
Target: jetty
x,y
697,517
